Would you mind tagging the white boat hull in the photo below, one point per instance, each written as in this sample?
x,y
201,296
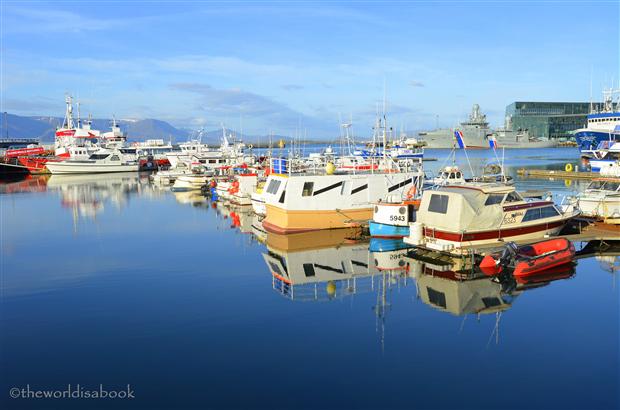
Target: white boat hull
x,y
66,167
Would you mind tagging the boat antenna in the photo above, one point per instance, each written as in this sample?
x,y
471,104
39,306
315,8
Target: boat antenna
x,y
591,103
384,124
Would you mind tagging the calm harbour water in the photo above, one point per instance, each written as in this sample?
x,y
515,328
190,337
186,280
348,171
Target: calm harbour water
x,y
109,280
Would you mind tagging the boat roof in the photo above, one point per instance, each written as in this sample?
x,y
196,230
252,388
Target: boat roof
x,y
484,187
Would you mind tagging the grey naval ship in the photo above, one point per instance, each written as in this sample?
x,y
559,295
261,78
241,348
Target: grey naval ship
x,y
477,134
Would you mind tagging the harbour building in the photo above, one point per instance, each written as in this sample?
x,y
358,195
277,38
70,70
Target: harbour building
x,y
548,119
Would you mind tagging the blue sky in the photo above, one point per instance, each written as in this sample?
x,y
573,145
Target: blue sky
x,y
278,66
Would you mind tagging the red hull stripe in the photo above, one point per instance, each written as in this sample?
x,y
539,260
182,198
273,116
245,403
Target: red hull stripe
x,y
527,206
485,235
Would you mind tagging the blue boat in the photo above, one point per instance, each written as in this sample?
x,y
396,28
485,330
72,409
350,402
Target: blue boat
x,y
602,126
388,231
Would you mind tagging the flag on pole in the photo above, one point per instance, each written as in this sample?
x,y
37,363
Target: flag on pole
x,y
459,139
493,142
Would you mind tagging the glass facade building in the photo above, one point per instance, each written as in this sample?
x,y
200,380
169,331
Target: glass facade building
x,y
548,119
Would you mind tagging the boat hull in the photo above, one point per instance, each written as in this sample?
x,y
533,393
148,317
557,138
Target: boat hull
x,y
283,221
460,243
68,168
600,207
379,230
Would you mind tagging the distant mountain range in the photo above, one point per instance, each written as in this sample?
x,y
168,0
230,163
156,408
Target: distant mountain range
x,y
43,128
16,126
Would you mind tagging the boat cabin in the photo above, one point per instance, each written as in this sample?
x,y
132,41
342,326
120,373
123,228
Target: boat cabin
x,y
463,216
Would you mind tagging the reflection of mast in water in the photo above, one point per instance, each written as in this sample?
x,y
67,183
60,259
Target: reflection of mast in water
x,y
381,308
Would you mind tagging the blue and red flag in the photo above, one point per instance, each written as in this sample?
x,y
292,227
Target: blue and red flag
x,y
493,142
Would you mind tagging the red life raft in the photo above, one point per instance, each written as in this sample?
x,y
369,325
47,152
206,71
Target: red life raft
x,y
530,259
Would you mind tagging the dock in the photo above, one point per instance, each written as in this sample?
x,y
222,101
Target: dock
x,y
550,173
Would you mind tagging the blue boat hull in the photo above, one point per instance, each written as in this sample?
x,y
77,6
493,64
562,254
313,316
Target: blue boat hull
x,y
588,140
388,231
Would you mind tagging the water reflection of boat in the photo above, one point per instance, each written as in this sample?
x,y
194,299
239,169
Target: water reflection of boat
x,y
445,292
190,197
324,265
86,194
459,288
389,254
26,183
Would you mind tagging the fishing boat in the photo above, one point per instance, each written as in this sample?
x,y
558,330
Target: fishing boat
x,y
327,199
242,189
531,259
460,218
600,199
298,202
392,219
100,162
258,201
602,126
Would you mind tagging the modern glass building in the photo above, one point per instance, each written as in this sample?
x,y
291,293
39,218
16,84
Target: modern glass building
x,y
548,119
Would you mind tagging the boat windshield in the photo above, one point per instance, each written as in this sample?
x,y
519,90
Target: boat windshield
x,y
99,156
595,185
611,186
513,197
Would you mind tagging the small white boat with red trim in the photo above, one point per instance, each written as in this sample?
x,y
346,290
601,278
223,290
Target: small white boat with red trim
x,y
102,161
458,218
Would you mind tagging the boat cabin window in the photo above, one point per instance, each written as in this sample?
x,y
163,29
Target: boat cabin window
x,y
458,175
491,302
115,158
452,175
308,188
436,298
281,200
611,186
309,270
595,185
494,199
99,156
275,268
273,186
538,213
513,197
438,204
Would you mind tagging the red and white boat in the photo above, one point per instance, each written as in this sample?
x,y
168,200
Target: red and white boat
x,y
459,218
74,139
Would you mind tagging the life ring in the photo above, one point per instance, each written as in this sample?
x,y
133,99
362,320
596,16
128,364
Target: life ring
x,y
568,182
568,167
411,193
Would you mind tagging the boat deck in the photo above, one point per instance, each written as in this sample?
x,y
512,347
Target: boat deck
x,y
549,173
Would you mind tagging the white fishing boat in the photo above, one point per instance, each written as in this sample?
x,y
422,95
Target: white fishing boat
x,y
258,201
327,199
306,201
457,218
242,188
449,175
100,162
601,199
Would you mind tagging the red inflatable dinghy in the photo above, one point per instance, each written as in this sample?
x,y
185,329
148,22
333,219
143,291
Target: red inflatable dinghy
x,y
530,259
